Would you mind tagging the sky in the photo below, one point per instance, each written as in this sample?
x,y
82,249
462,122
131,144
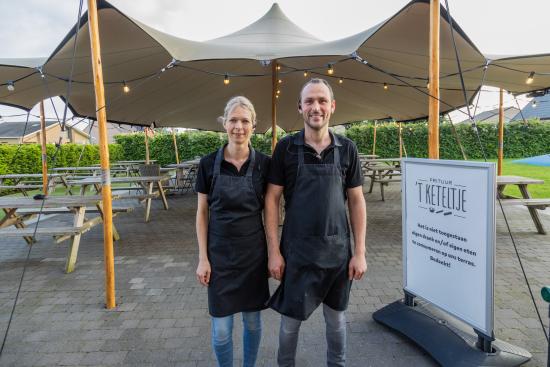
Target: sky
x,y
33,28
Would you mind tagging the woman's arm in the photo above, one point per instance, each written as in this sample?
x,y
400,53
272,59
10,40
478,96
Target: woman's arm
x,y
203,268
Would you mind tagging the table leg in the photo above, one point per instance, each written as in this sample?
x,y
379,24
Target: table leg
x,y
67,186
372,181
11,218
116,236
162,195
534,214
75,240
148,201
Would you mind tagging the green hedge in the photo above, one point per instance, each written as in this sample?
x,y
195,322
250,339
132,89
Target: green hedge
x,y
520,140
190,145
28,156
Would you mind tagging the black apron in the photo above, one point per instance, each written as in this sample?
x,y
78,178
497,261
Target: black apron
x,y
237,248
315,242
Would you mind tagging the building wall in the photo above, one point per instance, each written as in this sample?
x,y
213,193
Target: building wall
x,y
52,136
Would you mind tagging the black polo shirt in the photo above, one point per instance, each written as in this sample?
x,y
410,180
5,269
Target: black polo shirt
x,y
206,172
284,162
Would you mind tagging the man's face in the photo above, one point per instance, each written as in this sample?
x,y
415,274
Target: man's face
x,y
316,105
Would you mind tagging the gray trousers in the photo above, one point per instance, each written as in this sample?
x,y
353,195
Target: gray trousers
x,y
335,322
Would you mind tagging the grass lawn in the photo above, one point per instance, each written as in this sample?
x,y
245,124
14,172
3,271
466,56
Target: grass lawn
x,y
527,170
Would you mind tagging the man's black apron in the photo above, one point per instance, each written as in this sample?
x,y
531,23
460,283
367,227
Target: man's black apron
x,y
315,242
237,248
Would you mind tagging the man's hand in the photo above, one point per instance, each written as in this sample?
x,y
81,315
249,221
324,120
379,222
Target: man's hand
x,y
203,272
357,267
276,265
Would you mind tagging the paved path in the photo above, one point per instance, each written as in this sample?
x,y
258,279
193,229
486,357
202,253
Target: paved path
x,y
162,318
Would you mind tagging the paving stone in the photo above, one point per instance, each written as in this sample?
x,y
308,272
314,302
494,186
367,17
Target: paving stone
x,y
161,318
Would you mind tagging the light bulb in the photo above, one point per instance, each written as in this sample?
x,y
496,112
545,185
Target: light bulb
x,y
530,78
11,86
386,86
278,67
340,80
226,79
305,73
280,81
278,91
125,88
330,70
534,104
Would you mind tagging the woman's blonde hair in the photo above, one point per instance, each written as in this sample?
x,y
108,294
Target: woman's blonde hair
x,y
238,101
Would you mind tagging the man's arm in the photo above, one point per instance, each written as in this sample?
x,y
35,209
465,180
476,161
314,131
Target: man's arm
x,y
276,263
358,218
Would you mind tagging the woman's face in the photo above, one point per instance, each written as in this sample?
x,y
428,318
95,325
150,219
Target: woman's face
x,y
239,125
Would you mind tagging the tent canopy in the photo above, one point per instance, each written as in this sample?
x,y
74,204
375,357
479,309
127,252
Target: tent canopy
x,y
179,83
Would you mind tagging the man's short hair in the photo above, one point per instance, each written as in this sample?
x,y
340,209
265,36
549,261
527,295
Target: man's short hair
x,y
316,81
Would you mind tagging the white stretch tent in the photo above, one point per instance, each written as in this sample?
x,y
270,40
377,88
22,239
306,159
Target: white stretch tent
x,y
191,92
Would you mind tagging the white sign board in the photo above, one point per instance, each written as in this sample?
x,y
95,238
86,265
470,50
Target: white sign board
x,y
449,236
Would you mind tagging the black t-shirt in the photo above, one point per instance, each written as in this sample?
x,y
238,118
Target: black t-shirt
x,y
284,162
206,172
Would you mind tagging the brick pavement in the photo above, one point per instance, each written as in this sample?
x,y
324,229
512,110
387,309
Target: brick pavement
x,y
162,317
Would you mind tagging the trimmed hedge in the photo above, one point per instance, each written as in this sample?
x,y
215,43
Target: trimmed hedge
x,y
190,145
520,140
28,156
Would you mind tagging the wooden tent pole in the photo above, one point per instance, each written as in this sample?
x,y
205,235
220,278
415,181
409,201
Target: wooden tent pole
x,y
274,81
146,146
500,132
374,139
43,147
175,146
433,120
101,115
400,140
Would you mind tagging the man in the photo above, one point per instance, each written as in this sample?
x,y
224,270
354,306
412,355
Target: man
x,y
317,171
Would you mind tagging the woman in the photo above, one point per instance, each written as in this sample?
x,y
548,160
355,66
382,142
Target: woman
x,y
232,246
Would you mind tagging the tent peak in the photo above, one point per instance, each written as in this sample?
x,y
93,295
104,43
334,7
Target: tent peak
x,y
272,30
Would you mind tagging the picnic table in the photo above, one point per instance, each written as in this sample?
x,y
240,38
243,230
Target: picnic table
x,y
382,174
19,209
24,182
532,204
92,170
144,183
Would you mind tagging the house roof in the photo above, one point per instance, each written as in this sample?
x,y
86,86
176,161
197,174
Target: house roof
x,y
541,111
492,115
16,129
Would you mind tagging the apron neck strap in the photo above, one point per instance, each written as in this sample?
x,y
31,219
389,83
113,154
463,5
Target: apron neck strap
x,y
219,159
252,157
335,154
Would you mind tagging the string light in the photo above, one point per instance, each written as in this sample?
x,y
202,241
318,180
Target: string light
x,y
10,86
530,78
276,96
278,67
428,85
305,73
278,91
125,88
330,70
386,86
534,104
226,79
340,81
280,81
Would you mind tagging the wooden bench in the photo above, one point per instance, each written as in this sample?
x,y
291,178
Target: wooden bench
x,y
540,204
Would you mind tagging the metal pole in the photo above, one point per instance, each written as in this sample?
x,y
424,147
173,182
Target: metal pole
x,y
43,147
274,81
433,120
101,115
500,132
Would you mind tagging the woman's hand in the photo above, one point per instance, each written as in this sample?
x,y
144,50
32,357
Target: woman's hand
x,y
203,272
